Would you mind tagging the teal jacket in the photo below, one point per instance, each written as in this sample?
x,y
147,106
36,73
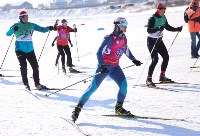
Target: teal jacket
x,y
24,35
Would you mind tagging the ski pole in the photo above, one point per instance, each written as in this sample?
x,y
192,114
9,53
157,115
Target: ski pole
x,y
74,26
193,65
43,46
148,57
122,69
170,47
58,66
73,84
7,51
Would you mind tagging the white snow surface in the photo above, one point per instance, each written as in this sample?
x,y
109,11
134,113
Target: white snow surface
x,y
24,114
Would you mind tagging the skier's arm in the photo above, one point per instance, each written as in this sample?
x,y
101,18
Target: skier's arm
x,y
131,57
41,29
54,41
11,30
104,48
72,30
170,28
128,53
150,26
70,41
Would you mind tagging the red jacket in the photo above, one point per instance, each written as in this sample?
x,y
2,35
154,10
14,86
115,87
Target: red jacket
x,y
194,22
63,35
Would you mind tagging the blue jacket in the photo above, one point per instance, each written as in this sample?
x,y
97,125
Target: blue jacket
x,y
24,35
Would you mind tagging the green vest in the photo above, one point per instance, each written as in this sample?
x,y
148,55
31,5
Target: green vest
x,y
25,30
159,21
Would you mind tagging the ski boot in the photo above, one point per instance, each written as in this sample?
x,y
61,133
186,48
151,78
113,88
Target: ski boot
x,y
72,70
119,110
149,82
76,112
56,63
27,87
40,87
63,69
165,80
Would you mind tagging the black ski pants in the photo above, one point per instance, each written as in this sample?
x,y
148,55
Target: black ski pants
x,y
31,58
158,49
62,51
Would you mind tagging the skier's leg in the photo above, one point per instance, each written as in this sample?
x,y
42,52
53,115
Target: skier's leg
x,y
21,56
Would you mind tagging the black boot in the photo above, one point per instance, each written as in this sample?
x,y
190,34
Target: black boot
x,y
27,87
165,80
63,69
76,112
149,82
119,110
40,87
56,63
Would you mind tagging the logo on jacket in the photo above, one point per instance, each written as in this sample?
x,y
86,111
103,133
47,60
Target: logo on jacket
x,y
63,35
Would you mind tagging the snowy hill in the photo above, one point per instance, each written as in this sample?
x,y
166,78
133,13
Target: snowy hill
x,y
25,114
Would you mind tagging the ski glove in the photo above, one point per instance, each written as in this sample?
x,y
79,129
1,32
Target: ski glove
x,y
52,44
50,28
161,27
57,20
179,29
75,29
104,69
137,62
16,28
72,45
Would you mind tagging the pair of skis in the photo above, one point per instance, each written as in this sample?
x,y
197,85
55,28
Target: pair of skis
x,y
168,89
119,116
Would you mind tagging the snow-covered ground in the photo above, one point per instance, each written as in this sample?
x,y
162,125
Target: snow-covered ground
x,y
22,114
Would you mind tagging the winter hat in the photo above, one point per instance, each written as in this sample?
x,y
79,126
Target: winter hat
x,y
161,6
64,21
22,14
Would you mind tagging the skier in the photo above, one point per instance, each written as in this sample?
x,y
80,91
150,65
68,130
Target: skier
x,y
23,31
62,44
58,56
108,55
156,24
193,13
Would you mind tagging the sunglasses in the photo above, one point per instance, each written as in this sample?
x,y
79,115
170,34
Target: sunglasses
x,y
24,16
124,23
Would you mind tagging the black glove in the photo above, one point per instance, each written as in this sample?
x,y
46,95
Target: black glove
x,y
137,62
75,29
50,28
16,28
179,29
161,27
57,20
52,44
104,69
71,45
